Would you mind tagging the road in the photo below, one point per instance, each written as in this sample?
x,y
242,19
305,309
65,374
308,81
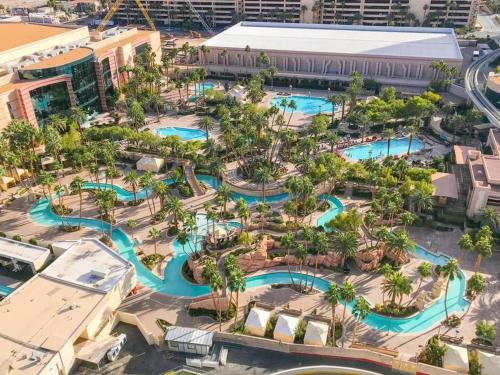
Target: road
x,y
475,77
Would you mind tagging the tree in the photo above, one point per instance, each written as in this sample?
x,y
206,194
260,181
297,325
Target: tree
x,y
346,245
360,310
215,283
243,212
237,283
47,181
206,124
154,233
476,285
286,241
136,115
399,243
78,115
77,186
320,247
486,331
421,199
131,223
173,205
396,286
146,182
491,217
450,271
388,134
224,194
160,190
183,239
133,180
354,89
332,296
465,243
483,245
424,270
347,294
263,176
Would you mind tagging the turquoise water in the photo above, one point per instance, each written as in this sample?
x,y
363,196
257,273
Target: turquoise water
x,y
378,149
310,105
336,207
201,87
174,284
5,290
185,134
121,193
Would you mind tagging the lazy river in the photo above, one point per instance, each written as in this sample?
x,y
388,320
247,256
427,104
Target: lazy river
x,y
176,285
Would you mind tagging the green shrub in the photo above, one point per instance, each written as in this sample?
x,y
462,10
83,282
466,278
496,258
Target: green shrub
x,y
17,237
172,231
300,332
3,235
33,241
271,324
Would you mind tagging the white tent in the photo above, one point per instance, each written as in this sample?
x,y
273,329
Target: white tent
x,y
238,93
285,328
490,363
256,321
316,333
456,359
5,182
148,163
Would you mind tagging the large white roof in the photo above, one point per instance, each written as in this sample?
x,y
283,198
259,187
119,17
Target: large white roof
x,y
22,251
411,42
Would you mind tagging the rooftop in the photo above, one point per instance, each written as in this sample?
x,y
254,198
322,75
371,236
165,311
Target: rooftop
x,y
25,33
61,59
89,263
461,153
445,185
22,251
414,42
189,336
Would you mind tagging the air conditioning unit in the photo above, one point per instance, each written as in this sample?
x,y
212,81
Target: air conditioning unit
x,y
101,273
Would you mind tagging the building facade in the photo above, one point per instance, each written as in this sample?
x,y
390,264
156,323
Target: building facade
x,y
395,56
441,13
48,69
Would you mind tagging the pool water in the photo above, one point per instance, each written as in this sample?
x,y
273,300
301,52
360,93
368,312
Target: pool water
x,y
201,87
309,105
5,290
186,134
176,285
378,149
336,207
121,193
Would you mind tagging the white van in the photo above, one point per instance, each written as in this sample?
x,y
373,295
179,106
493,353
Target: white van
x,y
475,55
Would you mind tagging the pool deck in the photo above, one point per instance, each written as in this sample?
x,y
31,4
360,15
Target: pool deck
x,y
14,219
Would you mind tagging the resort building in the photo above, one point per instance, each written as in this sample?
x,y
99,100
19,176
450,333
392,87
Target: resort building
x,y
484,171
493,88
47,69
363,12
56,317
390,55
22,257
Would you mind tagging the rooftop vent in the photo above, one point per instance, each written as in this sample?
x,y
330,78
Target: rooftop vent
x,y
100,273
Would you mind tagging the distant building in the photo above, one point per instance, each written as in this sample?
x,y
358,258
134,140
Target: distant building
x,y
389,55
46,69
493,88
484,170
71,302
219,13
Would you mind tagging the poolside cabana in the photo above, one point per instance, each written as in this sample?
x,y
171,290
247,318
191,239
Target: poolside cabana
x,y
148,163
6,182
490,363
316,333
238,93
456,358
285,328
257,321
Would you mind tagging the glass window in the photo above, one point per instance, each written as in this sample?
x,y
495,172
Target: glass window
x,y
49,100
106,73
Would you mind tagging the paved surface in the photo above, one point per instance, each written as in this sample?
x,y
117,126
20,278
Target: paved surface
x,y
490,25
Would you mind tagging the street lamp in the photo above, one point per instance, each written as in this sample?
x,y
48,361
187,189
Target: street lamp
x,y
291,87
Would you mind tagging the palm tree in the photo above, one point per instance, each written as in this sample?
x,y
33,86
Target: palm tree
x,y
388,133
206,124
482,246
490,217
465,243
347,294
332,296
131,223
450,270
320,246
346,245
360,310
412,131
224,194
399,243
343,98
173,205
243,212
286,241
424,270
160,190
77,186
422,199
78,115
154,234
132,179
396,285
182,239
237,283
263,176
146,182
300,255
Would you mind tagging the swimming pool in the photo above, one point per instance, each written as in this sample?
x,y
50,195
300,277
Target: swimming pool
x,y
378,149
186,134
121,193
201,87
336,207
309,105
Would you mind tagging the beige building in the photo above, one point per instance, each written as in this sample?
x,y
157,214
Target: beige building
x,y
48,321
46,69
394,56
366,12
484,173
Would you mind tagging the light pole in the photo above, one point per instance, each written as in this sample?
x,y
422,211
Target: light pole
x,y
291,87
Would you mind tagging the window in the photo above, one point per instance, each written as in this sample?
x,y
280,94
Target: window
x,y
173,344
191,346
48,100
106,73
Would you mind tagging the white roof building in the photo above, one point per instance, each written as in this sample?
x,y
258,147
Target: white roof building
x,y
285,328
414,42
257,321
148,163
456,358
22,254
490,363
189,340
316,333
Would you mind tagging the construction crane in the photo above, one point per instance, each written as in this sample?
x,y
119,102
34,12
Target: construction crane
x,y
115,7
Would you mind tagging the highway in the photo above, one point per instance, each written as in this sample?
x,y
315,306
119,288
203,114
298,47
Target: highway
x,y
474,84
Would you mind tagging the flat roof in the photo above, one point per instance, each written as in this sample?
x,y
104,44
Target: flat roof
x,y
411,42
189,336
61,59
121,42
17,34
461,153
21,251
89,263
445,185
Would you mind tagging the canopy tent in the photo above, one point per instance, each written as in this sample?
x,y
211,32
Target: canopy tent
x,y
5,182
285,328
148,163
490,363
238,93
257,321
316,333
456,359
